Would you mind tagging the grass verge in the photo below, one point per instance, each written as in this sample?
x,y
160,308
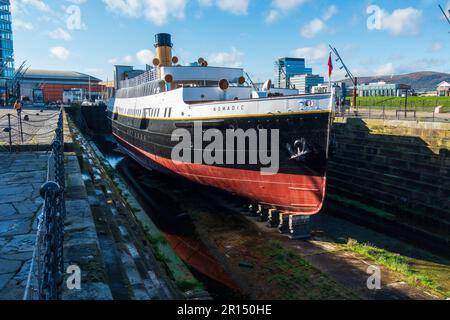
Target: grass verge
x,y
413,270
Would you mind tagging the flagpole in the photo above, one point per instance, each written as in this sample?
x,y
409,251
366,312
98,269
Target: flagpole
x,y
330,70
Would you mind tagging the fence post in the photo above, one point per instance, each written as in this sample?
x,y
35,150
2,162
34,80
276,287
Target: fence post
x,y
9,131
19,115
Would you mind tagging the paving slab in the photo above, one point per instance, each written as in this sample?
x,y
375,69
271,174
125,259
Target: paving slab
x,y
21,175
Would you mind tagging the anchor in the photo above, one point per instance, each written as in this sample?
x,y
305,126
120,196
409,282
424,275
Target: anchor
x,y
301,152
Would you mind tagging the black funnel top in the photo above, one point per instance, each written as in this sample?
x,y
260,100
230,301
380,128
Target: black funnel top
x,y
163,40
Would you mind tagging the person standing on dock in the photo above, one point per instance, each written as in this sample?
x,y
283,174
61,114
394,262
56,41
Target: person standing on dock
x,y
18,107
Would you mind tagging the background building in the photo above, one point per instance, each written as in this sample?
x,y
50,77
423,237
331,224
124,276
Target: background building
x,y
6,46
321,88
286,68
304,83
383,89
443,89
44,86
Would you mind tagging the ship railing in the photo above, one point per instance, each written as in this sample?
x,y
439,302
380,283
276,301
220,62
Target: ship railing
x,y
147,76
142,90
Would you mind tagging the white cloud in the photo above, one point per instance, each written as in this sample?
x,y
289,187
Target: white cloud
x,y
130,8
60,33
401,21
273,16
317,25
330,12
19,24
21,5
236,7
287,5
282,7
145,56
230,59
159,11
156,11
311,29
312,54
60,53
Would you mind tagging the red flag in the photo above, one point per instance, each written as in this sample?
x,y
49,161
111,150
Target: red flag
x,y
330,66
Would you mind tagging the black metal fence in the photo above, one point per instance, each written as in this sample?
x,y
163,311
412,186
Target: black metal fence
x,y
388,113
46,273
22,127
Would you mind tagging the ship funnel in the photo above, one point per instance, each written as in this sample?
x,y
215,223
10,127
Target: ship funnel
x,y
163,45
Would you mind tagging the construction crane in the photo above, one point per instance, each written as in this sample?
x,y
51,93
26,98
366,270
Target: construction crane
x,y
348,74
17,77
445,14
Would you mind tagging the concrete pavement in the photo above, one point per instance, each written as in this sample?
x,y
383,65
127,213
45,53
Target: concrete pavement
x,y
21,176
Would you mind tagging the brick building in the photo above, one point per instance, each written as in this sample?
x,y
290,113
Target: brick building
x,y
44,86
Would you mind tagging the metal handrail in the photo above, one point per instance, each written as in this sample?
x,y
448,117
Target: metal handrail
x,y
45,277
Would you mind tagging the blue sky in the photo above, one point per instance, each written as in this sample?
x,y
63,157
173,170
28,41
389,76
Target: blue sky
x,y
92,35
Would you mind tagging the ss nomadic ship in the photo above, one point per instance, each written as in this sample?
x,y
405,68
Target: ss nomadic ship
x,y
148,108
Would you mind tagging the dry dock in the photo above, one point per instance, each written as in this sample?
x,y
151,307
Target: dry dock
x,y
140,235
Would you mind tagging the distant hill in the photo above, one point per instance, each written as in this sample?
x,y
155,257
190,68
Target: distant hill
x,y
419,81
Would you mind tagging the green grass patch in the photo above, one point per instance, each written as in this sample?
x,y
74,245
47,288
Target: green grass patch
x,y
421,104
296,276
411,269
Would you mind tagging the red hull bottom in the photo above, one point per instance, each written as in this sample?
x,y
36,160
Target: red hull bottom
x,y
296,194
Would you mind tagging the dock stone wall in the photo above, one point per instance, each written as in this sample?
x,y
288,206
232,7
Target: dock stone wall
x,y
395,170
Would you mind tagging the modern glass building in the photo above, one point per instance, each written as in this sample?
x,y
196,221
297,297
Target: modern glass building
x,y
304,83
286,68
6,45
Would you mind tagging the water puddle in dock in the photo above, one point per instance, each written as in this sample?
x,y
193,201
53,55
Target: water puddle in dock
x,y
171,220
